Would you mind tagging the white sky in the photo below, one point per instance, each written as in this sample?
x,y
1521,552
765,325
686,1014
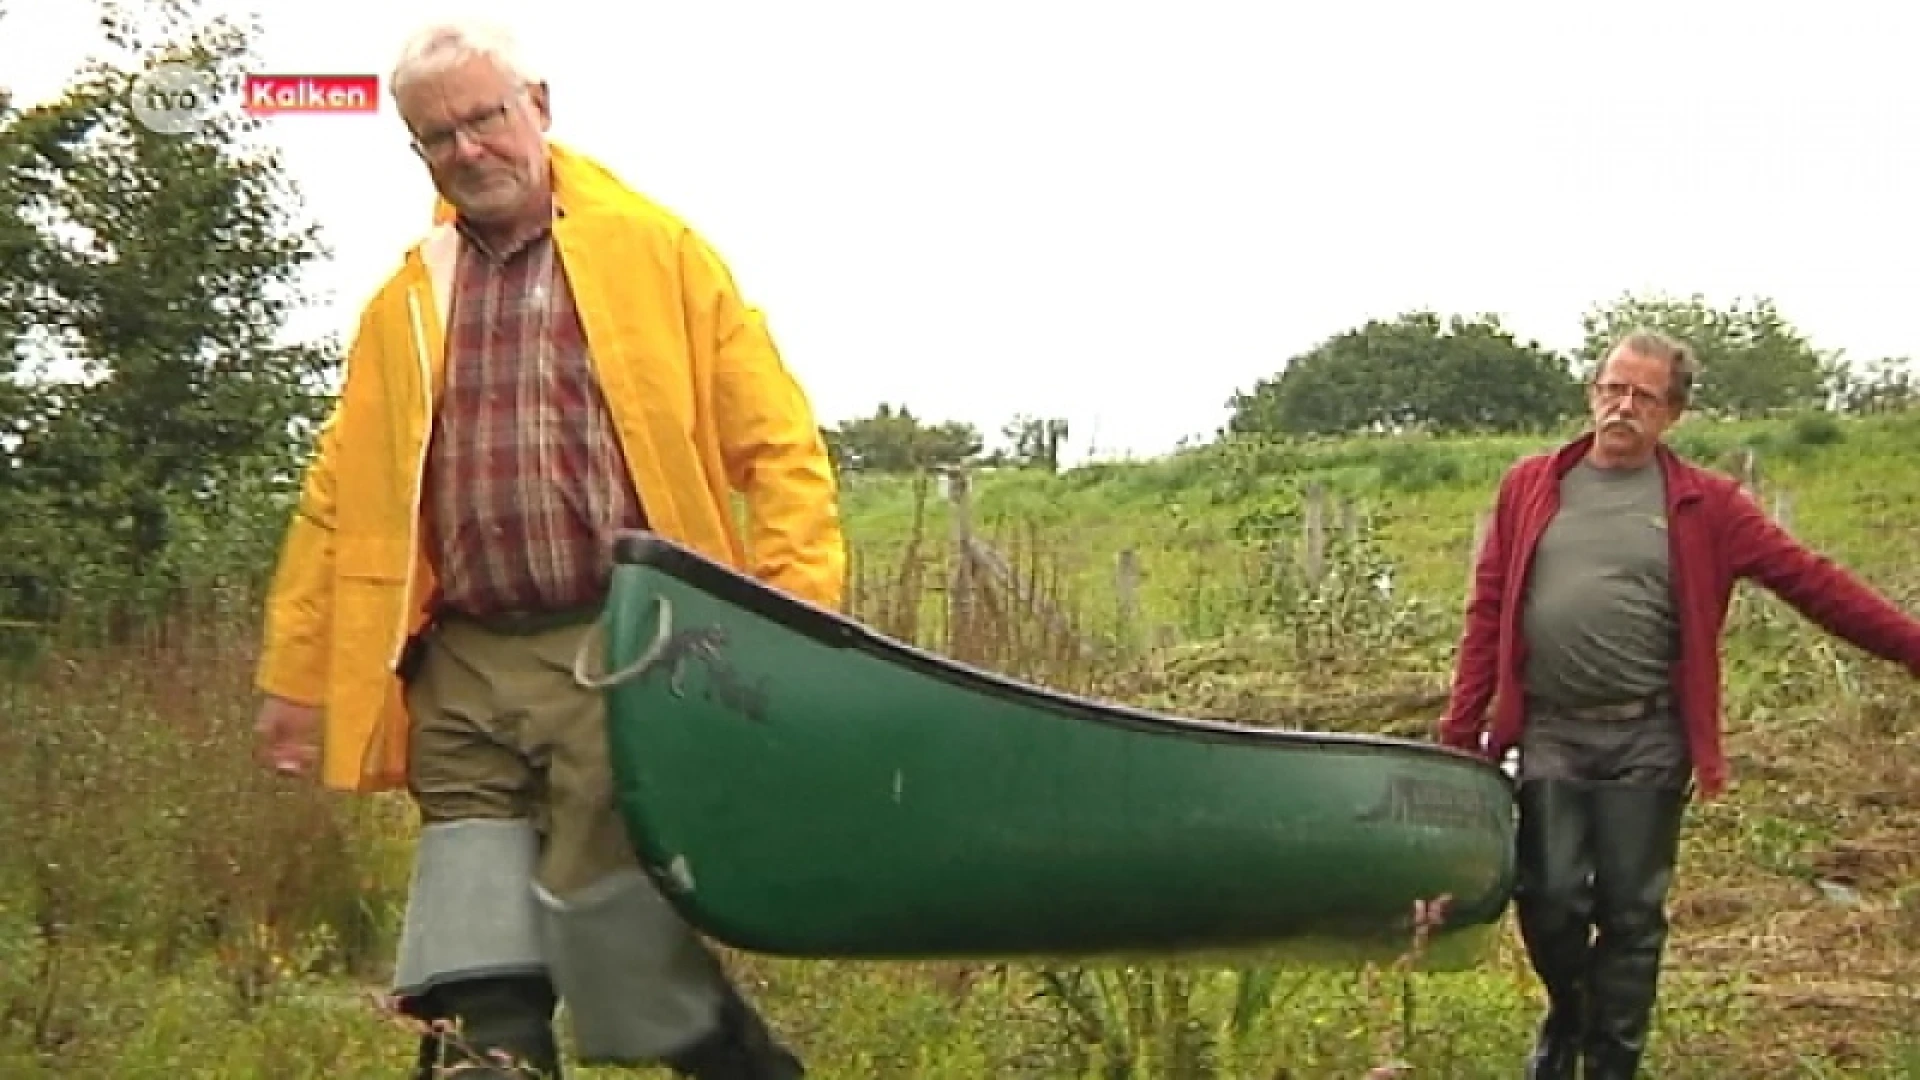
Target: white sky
x,y
1065,209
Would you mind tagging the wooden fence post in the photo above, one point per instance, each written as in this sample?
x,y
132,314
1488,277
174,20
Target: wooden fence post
x,y
960,598
1750,470
1481,523
1126,592
1315,556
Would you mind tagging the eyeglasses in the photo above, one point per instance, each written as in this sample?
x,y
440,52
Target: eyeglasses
x,y
1614,391
438,142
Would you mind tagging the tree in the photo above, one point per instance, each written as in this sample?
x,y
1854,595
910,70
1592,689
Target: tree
x,y
1752,359
1415,371
1887,385
895,441
157,272
1034,443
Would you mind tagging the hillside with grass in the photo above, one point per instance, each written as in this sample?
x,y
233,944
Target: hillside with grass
x,y
168,911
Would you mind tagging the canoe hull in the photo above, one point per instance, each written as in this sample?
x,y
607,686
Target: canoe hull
x,y
799,785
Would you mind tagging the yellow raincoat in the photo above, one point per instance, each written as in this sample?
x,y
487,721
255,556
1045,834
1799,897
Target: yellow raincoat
x,y
703,405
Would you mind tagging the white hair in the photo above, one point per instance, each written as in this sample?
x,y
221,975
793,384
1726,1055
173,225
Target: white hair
x,y
443,46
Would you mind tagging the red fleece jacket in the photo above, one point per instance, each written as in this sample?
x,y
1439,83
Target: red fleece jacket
x,y
1717,535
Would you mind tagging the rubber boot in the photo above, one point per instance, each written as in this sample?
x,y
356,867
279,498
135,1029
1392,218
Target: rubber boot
x,y
1556,1048
1553,905
740,1048
1633,871
501,1028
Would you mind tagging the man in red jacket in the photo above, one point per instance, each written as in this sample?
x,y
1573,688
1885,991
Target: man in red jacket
x,y
1593,631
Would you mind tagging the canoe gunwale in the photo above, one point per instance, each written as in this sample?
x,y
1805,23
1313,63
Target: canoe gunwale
x,y
835,630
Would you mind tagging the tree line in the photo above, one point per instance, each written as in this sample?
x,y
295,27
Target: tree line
x,y
1462,375
894,440
1453,375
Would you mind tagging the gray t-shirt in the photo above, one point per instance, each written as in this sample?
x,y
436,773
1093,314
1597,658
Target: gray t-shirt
x,y
1599,618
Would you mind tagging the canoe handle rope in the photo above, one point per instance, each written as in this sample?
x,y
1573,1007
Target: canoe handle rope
x,y
639,667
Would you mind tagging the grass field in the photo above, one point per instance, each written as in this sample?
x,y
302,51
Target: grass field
x,y
166,911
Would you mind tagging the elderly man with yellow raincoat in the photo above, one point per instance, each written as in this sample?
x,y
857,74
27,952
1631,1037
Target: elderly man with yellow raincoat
x,y
557,360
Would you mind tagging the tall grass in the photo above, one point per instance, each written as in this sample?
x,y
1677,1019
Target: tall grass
x,y
144,847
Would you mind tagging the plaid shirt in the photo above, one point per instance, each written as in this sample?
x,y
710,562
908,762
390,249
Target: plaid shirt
x,y
526,481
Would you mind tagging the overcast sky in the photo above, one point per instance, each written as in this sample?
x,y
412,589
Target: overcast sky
x,y
1120,214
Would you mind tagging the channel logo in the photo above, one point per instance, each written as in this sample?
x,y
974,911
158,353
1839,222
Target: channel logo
x,y
178,99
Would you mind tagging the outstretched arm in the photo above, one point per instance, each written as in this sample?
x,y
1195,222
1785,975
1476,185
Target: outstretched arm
x,y
1831,597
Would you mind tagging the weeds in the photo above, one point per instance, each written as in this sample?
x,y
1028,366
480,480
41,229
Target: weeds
x,y
144,838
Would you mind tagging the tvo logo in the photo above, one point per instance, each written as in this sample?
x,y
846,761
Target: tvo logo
x,y
172,99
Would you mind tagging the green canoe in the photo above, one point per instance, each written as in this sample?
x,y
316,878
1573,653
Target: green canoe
x,y
801,785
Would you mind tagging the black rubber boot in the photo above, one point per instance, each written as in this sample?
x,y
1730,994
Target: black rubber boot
x,y
1553,902
1633,871
500,1028
1556,1049
741,1048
